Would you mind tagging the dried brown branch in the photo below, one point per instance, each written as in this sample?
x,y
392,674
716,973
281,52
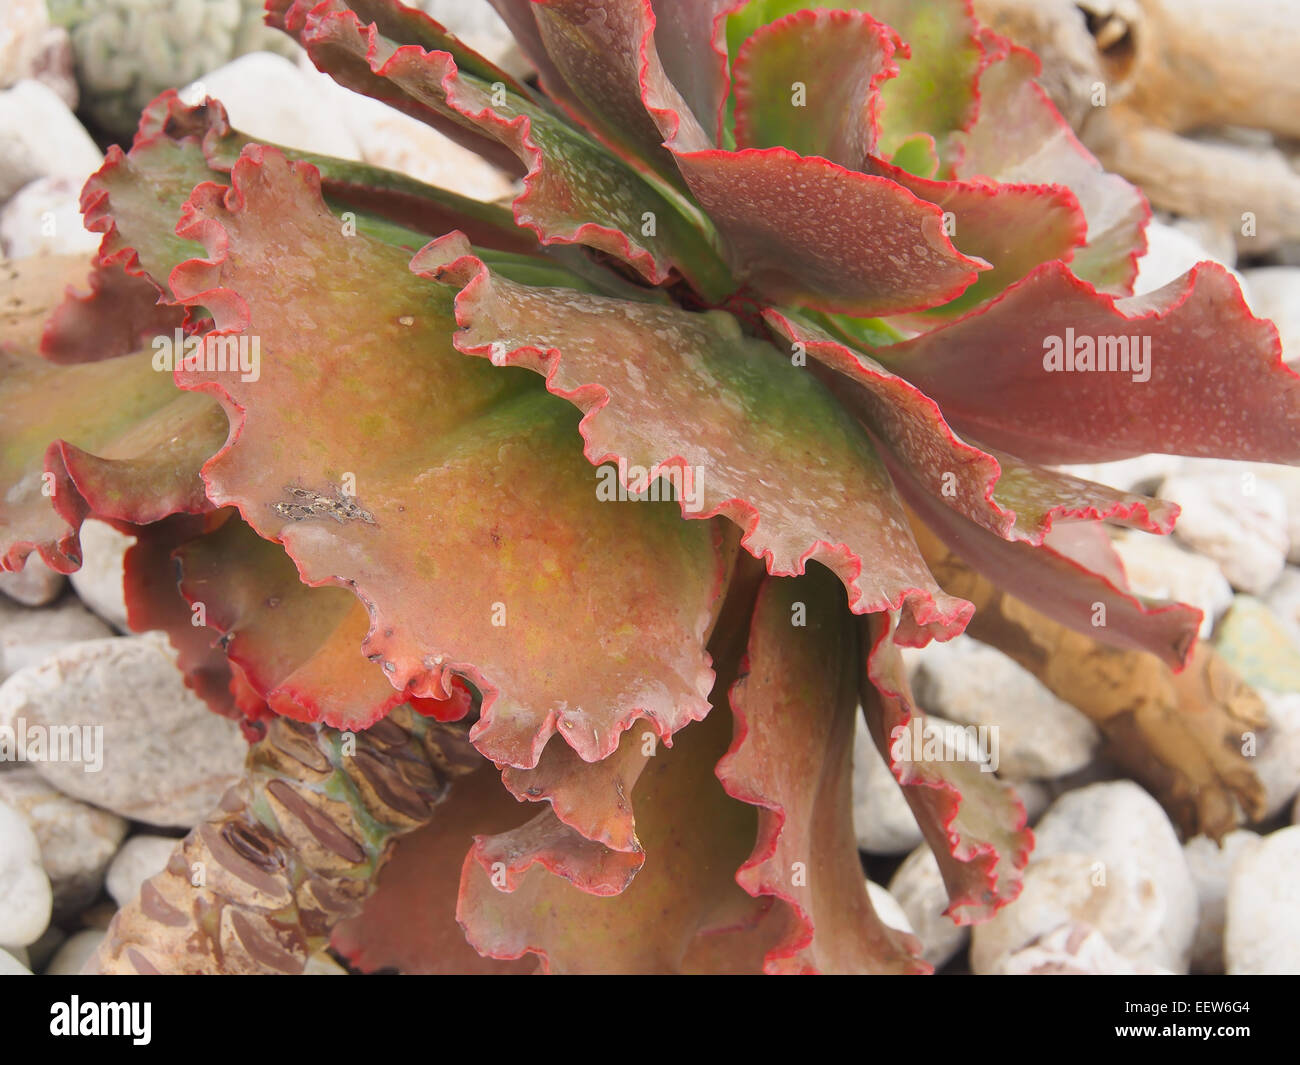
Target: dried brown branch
x,y
1170,68
1179,734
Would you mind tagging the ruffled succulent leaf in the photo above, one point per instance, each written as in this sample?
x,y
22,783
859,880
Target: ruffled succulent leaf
x,y
1013,227
298,646
393,428
401,200
294,17
974,823
1015,500
934,89
665,390
1068,590
575,191
1188,370
135,200
886,251
409,923
154,604
119,314
592,798
791,756
407,24
917,155
811,81
691,40
531,891
577,39
113,438
1019,136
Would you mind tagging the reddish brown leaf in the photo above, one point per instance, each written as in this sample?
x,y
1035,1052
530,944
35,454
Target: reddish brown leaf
x,y
1217,385
409,923
694,838
1014,227
112,438
299,647
1021,137
805,485
886,251
794,709
575,192
154,602
295,17
498,584
975,824
592,798
1052,581
119,315
1013,499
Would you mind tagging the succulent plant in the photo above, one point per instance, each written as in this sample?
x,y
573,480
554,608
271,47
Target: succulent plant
x,y
128,51
551,552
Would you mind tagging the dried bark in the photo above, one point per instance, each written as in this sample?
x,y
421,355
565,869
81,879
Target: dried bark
x,y
1181,735
294,848
1172,69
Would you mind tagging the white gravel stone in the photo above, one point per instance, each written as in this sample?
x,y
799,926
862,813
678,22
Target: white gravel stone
x,y
76,840
1157,567
25,896
41,137
1039,735
69,958
1286,479
31,48
1121,826
1072,950
882,820
1275,294
30,635
1277,757
1074,888
323,964
1211,866
11,966
1238,520
140,858
919,889
33,585
267,98
1262,934
1283,600
166,759
98,582
888,909
44,218
1170,254
23,25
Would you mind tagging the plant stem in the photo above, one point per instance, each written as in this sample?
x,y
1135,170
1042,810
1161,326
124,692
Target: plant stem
x,y
294,848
